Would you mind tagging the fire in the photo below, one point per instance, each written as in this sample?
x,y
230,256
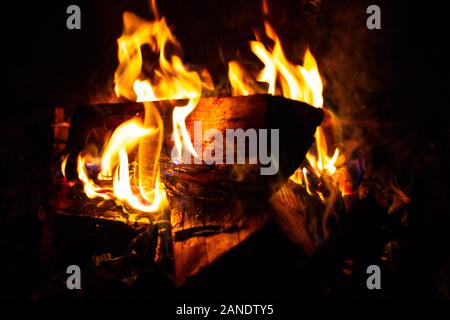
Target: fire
x,y
114,158
64,165
239,80
125,136
297,82
123,188
170,79
91,190
138,184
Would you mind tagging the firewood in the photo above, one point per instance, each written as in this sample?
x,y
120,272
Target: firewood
x,y
214,207
295,120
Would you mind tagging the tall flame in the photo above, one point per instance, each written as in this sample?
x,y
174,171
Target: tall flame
x,y
297,82
240,81
169,79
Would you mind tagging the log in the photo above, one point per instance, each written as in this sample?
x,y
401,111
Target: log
x,y
213,208
295,120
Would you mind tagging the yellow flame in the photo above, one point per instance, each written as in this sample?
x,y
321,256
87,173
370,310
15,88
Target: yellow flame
x,y
126,135
64,165
297,82
90,188
115,156
123,188
169,79
305,176
239,80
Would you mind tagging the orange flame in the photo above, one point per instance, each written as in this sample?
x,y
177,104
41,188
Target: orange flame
x,y
297,82
90,188
64,165
240,81
125,136
115,155
170,79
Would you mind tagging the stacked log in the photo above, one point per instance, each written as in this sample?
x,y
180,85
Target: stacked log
x,y
214,207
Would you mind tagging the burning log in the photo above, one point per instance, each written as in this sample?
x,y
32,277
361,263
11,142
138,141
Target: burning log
x,y
213,207
295,120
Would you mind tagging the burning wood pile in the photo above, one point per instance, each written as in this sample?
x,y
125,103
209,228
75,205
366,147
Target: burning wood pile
x,y
196,172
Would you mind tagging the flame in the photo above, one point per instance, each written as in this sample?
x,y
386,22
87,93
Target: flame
x,y
240,81
91,190
123,188
64,165
115,155
297,82
125,136
169,79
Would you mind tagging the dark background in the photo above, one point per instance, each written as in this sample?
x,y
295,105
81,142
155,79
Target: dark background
x,y
394,77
